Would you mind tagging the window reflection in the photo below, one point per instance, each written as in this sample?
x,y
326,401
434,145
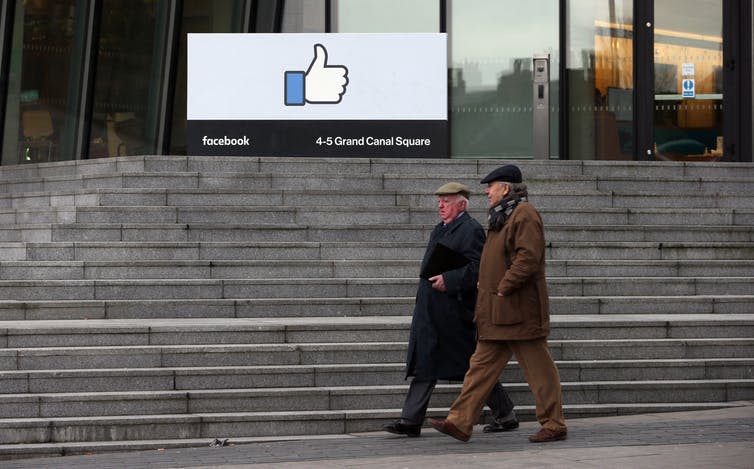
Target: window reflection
x,y
127,79
600,79
386,16
199,16
38,114
490,78
304,16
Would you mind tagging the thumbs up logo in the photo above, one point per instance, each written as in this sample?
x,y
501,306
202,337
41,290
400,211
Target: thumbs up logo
x,y
320,84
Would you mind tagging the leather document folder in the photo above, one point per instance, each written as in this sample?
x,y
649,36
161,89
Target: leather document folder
x,y
442,260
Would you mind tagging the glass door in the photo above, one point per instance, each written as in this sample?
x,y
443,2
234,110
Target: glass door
x,y
688,80
42,81
600,81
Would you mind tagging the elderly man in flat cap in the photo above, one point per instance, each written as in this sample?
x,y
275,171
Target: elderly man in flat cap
x,y
512,313
443,335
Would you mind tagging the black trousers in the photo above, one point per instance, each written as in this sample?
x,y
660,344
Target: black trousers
x,y
420,391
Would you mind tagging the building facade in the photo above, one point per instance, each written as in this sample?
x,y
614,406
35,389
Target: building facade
x,y
627,79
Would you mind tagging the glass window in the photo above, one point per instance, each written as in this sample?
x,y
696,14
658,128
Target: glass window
x,y
599,67
304,16
199,16
688,64
386,16
127,79
490,78
40,112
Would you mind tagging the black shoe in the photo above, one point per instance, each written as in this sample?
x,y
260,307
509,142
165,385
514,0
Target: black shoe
x,y
496,426
400,428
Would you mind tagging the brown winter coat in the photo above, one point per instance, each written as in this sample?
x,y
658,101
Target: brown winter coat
x,y
513,263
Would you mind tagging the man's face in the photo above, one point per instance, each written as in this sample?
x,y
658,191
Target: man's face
x,y
449,207
495,191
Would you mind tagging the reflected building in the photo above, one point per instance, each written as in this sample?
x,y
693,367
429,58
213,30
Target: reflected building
x,y
629,79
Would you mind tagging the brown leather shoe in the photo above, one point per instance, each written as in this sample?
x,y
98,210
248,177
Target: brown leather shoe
x,y
545,434
447,427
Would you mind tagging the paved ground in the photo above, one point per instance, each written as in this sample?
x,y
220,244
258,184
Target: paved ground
x,y
706,439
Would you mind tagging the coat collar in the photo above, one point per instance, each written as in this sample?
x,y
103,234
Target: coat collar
x,y
452,226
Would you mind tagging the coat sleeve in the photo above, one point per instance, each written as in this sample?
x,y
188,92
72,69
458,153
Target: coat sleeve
x,y
527,234
465,278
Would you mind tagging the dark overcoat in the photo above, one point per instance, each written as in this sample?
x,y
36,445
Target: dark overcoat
x,y
513,264
443,335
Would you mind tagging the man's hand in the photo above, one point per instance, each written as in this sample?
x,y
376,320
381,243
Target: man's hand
x,y
438,283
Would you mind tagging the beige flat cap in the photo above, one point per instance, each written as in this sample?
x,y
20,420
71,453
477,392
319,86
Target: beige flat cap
x,y
453,188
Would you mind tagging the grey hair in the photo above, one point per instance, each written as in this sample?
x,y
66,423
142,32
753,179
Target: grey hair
x,y
517,187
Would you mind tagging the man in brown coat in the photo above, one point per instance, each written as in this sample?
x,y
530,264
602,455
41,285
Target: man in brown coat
x,y
512,313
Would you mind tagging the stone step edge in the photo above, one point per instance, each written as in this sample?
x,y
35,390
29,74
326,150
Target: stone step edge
x,y
442,386
480,162
389,175
408,192
157,282
283,416
363,346
298,323
352,262
358,300
335,321
350,244
343,227
350,207
526,413
334,367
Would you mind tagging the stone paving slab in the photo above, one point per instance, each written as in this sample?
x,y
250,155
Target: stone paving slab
x,y
699,439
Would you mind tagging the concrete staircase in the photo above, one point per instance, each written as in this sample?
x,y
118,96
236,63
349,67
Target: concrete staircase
x,y
150,302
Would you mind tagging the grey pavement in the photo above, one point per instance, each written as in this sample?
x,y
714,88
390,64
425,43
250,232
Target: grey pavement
x,y
720,438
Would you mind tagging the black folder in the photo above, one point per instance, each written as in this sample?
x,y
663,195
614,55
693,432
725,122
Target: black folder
x,y
442,260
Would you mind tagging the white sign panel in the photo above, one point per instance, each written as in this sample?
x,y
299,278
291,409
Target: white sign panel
x,y
318,95
389,76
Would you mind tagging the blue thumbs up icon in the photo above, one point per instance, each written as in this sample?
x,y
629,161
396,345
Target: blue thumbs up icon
x,y
320,84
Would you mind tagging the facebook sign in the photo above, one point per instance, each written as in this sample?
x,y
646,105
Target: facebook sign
x,y
318,95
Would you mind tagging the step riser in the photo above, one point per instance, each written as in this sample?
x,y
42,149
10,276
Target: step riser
x,y
76,381
156,336
336,216
399,233
344,288
323,251
207,309
344,307
439,168
419,200
255,424
198,402
206,270
140,357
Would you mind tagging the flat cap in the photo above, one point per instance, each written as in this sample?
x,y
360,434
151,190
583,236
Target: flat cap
x,y
453,188
508,173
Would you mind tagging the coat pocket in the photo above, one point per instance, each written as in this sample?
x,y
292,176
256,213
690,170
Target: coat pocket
x,y
506,310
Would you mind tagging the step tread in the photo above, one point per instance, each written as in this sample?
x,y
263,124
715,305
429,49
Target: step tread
x,y
337,413
179,323
286,368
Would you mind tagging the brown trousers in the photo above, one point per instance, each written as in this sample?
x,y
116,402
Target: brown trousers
x,y
486,365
